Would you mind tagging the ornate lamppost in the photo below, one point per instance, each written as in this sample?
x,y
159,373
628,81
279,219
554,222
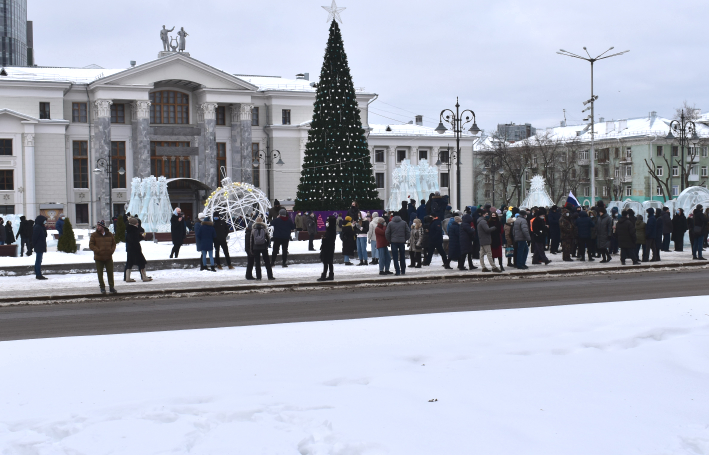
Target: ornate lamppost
x,y
106,166
267,158
448,155
457,122
685,131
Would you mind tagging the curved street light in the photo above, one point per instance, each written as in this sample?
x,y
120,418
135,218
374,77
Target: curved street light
x,y
267,158
685,132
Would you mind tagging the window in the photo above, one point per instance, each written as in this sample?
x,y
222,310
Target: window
x,y
605,191
6,147
119,209
488,193
82,213
587,191
400,155
659,151
168,106
423,155
616,153
617,172
44,111
379,156
285,116
221,160
705,152
675,171
675,150
583,155
444,180
660,171
595,191
81,164
675,190
169,166
628,171
118,161
693,170
534,161
379,177
573,173
705,172
628,191
7,209
444,155
254,116
595,154
118,113
78,112
255,173
628,152
7,181
659,191
221,115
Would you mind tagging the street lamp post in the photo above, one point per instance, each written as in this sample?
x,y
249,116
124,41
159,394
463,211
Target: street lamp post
x,y
592,101
447,159
267,157
104,165
455,120
686,131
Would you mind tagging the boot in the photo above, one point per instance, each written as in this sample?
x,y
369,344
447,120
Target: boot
x,y
202,267
213,269
127,277
231,267
448,266
144,276
112,291
103,290
331,277
365,262
361,262
323,277
495,269
219,266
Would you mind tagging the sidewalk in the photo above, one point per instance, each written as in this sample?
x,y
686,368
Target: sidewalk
x,y
179,281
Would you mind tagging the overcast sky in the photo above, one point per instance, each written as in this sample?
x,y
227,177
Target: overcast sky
x,y
497,56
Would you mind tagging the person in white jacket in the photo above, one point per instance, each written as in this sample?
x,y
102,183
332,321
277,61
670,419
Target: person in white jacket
x,y
372,238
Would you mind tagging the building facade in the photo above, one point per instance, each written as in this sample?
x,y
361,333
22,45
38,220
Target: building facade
x,y
14,33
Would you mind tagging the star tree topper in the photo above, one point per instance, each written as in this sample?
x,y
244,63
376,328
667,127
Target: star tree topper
x,y
334,12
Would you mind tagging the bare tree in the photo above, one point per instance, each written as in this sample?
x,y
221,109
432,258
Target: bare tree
x,y
691,112
662,178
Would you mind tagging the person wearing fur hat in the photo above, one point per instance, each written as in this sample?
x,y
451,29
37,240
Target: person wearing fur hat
x,y
103,245
134,252
372,237
283,226
327,250
205,243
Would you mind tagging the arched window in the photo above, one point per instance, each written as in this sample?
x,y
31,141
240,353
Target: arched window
x,y
168,106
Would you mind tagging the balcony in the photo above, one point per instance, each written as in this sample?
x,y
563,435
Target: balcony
x,y
693,178
626,160
583,162
626,178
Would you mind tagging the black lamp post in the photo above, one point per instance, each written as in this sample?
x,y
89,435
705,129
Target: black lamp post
x,y
685,131
267,157
448,156
455,120
104,165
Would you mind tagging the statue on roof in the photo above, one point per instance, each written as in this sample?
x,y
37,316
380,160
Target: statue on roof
x,y
165,38
182,34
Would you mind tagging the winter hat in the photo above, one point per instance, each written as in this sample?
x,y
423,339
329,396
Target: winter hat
x,y
458,219
282,212
207,219
650,211
348,219
624,213
375,214
101,223
614,210
200,216
438,193
259,219
522,213
554,208
133,221
363,215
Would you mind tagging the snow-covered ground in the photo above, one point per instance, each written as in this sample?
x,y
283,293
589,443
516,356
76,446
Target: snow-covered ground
x,y
609,378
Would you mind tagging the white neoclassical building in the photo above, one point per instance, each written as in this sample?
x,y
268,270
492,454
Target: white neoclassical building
x,y
174,116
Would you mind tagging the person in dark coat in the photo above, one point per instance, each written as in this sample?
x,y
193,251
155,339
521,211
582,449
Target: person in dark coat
x,y
205,243
667,227
312,226
353,211
9,234
659,235
454,239
412,210
177,232
553,219
348,240
260,240
134,252
274,211
679,227
327,250
283,226
604,232
3,232
699,226
466,236
497,238
221,229
247,249
435,237
59,225
403,212
584,224
650,231
39,241
25,234
567,230
625,230
438,205
421,211
539,232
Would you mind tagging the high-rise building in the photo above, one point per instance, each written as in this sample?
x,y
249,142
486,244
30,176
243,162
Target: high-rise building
x,y
13,32
512,132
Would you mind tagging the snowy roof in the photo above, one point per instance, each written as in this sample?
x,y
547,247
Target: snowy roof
x,y
278,83
50,74
409,129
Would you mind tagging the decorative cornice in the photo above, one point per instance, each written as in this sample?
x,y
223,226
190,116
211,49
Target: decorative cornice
x,y
103,108
29,139
140,109
207,111
245,111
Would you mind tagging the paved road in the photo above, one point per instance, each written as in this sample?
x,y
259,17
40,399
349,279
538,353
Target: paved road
x,y
145,315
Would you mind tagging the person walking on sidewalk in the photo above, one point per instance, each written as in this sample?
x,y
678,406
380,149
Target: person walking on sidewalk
x,y
497,238
435,239
397,233
539,234
466,237
260,241
205,243
566,228
312,226
584,224
650,228
103,244
299,225
221,229
453,231
639,236
383,248
177,232
282,228
134,252
9,234
554,217
485,233
39,241
247,249
3,232
327,250
521,236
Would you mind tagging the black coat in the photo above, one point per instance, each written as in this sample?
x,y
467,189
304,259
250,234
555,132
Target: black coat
x,y
134,256
327,247
467,235
625,230
348,241
247,239
177,230
353,212
39,235
222,229
26,228
679,227
9,235
539,230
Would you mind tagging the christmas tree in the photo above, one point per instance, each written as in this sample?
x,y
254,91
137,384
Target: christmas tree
x,y
337,168
67,242
120,230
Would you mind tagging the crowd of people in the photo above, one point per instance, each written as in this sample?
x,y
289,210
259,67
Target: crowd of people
x,y
485,234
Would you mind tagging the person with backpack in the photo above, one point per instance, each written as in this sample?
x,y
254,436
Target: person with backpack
x,y
260,241
327,250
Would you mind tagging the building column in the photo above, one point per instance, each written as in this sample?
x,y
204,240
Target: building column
x,y
208,145
242,161
31,206
390,167
141,140
413,155
102,133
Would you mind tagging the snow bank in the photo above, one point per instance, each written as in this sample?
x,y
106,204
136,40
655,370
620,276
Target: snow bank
x,y
614,378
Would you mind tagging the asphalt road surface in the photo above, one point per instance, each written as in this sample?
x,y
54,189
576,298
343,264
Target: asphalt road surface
x,y
206,311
